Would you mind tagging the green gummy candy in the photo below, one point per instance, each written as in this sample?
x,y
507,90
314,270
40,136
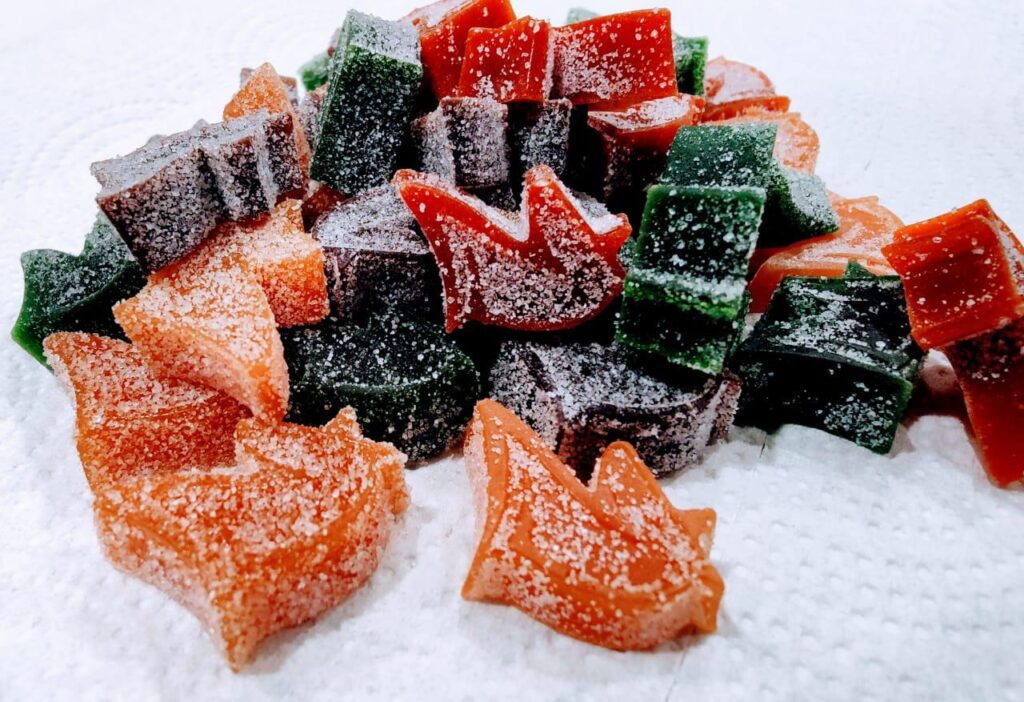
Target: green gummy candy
x,y
684,297
798,208
579,14
691,55
407,382
375,74
728,155
64,292
316,71
834,354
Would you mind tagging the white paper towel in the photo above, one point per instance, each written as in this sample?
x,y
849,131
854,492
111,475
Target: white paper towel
x,y
848,575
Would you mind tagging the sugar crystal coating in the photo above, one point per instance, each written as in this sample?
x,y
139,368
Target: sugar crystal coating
x,y
691,55
722,155
798,207
294,528
611,562
581,397
539,134
733,88
512,63
465,141
796,142
316,71
264,89
291,85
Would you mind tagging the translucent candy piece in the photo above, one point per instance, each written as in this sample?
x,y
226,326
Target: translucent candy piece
x,y
64,292
129,422
539,134
612,562
732,88
375,75
207,320
620,58
865,227
691,55
377,258
964,274
297,526
990,369
798,208
291,85
316,71
554,269
581,397
444,28
685,298
512,63
169,195
264,89
408,384
465,141
834,354
579,14
651,124
796,143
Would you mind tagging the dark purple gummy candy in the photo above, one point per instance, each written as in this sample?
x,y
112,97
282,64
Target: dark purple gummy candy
x,y
465,141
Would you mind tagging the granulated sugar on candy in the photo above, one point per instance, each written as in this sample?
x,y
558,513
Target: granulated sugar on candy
x,y
834,354
512,63
581,397
555,269
297,526
407,383
733,88
129,422
444,28
465,141
375,75
264,89
691,55
798,208
64,292
796,143
316,71
722,155
612,562
167,196
685,294
539,134
376,258
641,43
291,85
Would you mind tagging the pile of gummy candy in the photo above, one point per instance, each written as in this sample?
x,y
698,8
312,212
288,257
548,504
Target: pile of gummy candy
x,y
252,335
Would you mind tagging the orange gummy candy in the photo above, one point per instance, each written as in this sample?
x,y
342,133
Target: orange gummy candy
x,y
796,143
733,88
963,273
128,422
265,90
864,228
612,563
292,530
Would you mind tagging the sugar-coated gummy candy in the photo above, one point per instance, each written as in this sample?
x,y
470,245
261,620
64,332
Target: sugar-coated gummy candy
x,y
293,529
581,397
291,85
621,58
990,370
554,266
375,74
316,71
964,274
691,55
444,27
128,421
264,89
512,63
733,88
798,207
64,292
834,354
722,155
407,382
465,141
308,111
865,226
207,320
579,14
376,257
796,143
539,134
685,293
611,562
167,196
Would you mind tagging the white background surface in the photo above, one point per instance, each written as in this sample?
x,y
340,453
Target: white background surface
x,y
848,575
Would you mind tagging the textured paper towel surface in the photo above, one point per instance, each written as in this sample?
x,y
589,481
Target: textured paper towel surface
x,y
849,575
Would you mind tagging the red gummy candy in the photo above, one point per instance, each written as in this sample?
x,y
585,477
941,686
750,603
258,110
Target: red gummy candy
x,y
444,27
963,273
621,58
266,90
613,562
128,422
649,125
733,88
796,143
509,64
555,270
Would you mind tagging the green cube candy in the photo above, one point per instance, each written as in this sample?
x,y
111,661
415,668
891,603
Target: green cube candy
x,y
730,155
691,54
316,71
834,354
579,14
64,292
685,296
798,208
375,73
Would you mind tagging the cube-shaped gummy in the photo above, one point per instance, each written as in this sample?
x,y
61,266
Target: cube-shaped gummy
x,y
798,208
691,55
722,155
465,141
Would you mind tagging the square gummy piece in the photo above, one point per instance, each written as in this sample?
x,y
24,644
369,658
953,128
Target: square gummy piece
x,y
834,354
581,397
465,141
691,55
129,422
512,63
64,292
685,293
798,208
316,71
724,155
263,89
376,257
539,134
375,75
964,274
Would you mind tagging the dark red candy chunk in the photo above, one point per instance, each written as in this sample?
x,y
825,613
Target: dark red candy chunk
x,y
733,89
621,58
509,64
